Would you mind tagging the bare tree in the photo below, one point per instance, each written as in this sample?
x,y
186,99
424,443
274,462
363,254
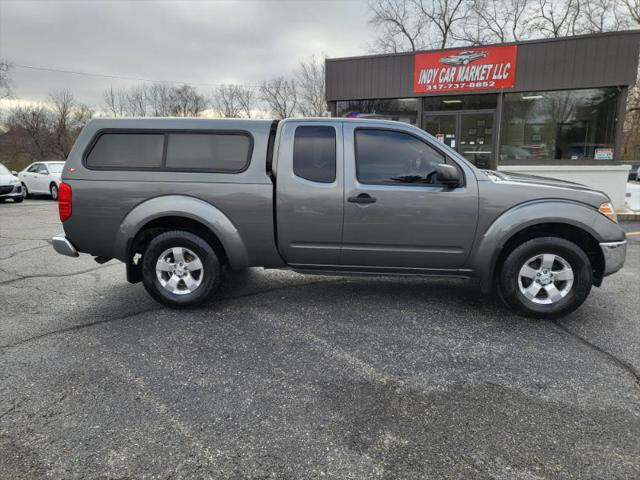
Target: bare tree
x,y
68,117
49,130
633,8
281,97
601,16
399,27
136,101
31,127
115,102
247,99
558,18
5,81
310,80
225,101
233,101
159,99
154,100
443,16
185,101
497,21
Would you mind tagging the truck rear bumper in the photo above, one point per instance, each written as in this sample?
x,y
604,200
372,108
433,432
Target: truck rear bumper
x,y
63,246
614,256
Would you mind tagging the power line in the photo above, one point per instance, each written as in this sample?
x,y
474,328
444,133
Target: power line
x,y
120,77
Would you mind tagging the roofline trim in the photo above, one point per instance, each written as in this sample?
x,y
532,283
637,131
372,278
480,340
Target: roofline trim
x,y
525,42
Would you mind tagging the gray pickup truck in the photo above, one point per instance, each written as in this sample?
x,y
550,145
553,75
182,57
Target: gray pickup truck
x,y
181,200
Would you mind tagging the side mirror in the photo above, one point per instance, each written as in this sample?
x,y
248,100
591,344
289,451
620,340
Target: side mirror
x,y
448,175
14,173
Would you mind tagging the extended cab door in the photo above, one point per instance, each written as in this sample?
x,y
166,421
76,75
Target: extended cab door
x,y
397,216
309,192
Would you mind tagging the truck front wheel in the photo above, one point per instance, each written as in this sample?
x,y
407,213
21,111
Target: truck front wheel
x,y
180,269
545,277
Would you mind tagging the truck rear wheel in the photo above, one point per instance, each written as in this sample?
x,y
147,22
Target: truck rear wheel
x,y
545,277
180,269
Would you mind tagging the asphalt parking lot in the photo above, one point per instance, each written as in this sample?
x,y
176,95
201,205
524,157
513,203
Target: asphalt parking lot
x,y
291,376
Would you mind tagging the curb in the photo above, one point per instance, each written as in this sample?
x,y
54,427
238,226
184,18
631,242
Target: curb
x,y
628,216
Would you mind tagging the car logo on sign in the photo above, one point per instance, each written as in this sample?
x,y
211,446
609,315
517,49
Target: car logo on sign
x,y
463,58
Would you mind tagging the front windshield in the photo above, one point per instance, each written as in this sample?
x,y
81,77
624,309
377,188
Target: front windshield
x,y
55,167
4,170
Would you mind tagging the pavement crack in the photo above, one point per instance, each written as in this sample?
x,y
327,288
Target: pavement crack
x,y
46,275
275,289
4,414
618,361
75,328
23,251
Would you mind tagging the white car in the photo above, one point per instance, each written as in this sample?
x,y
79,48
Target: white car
x,y
41,178
9,185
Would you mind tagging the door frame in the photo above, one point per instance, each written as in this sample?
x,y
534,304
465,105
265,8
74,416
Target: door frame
x,y
458,114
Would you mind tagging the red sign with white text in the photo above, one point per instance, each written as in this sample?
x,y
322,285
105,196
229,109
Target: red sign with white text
x,y
465,69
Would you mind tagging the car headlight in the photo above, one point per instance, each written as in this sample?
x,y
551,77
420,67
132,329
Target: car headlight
x,y
607,210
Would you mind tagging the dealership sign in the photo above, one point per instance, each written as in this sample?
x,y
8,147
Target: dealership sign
x,y
465,69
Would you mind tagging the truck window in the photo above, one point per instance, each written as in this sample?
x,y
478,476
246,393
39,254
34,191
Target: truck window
x,y
389,156
127,150
314,153
221,152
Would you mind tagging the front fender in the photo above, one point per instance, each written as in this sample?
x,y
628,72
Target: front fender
x,y
489,245
188,207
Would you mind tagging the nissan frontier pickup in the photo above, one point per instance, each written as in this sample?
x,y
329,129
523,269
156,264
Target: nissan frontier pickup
x,y
181,200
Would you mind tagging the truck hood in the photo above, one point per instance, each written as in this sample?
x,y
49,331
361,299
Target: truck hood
x,y
551,186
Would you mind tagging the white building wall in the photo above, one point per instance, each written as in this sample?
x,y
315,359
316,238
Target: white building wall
x,y
611,179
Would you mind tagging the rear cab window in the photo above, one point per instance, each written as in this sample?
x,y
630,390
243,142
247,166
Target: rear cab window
x,y
194,151
314,153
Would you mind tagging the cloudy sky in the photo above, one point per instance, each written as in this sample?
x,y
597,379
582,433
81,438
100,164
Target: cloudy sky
x,y
198,42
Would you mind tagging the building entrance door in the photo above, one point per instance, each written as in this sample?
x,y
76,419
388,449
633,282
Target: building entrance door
x,y
469,133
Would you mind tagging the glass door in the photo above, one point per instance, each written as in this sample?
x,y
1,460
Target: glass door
x,y
476,138
469,133
443,127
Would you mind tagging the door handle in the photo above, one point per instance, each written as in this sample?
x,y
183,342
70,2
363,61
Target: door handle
x,y
362,198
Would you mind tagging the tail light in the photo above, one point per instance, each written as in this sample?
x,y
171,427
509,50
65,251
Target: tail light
x,y
64,201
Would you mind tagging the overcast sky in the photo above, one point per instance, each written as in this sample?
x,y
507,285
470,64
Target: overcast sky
x,y
199,42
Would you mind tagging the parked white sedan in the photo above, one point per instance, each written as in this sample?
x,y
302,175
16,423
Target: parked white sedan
x,y
41,178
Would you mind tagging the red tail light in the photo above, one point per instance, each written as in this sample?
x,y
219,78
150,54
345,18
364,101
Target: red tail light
x,y
64,201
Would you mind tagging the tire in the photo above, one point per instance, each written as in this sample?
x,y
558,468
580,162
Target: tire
x,y
26,193
526,284
18,199
53,190
161,265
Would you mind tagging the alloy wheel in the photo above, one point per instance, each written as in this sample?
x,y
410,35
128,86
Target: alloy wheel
x,y
545,279
179,270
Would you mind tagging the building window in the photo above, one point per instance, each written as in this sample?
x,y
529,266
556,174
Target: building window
x,y
401,109
460,102
392,157
314,154
571,125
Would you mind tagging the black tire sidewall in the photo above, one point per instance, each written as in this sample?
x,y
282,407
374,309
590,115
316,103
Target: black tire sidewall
x,y
572,253
209,259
